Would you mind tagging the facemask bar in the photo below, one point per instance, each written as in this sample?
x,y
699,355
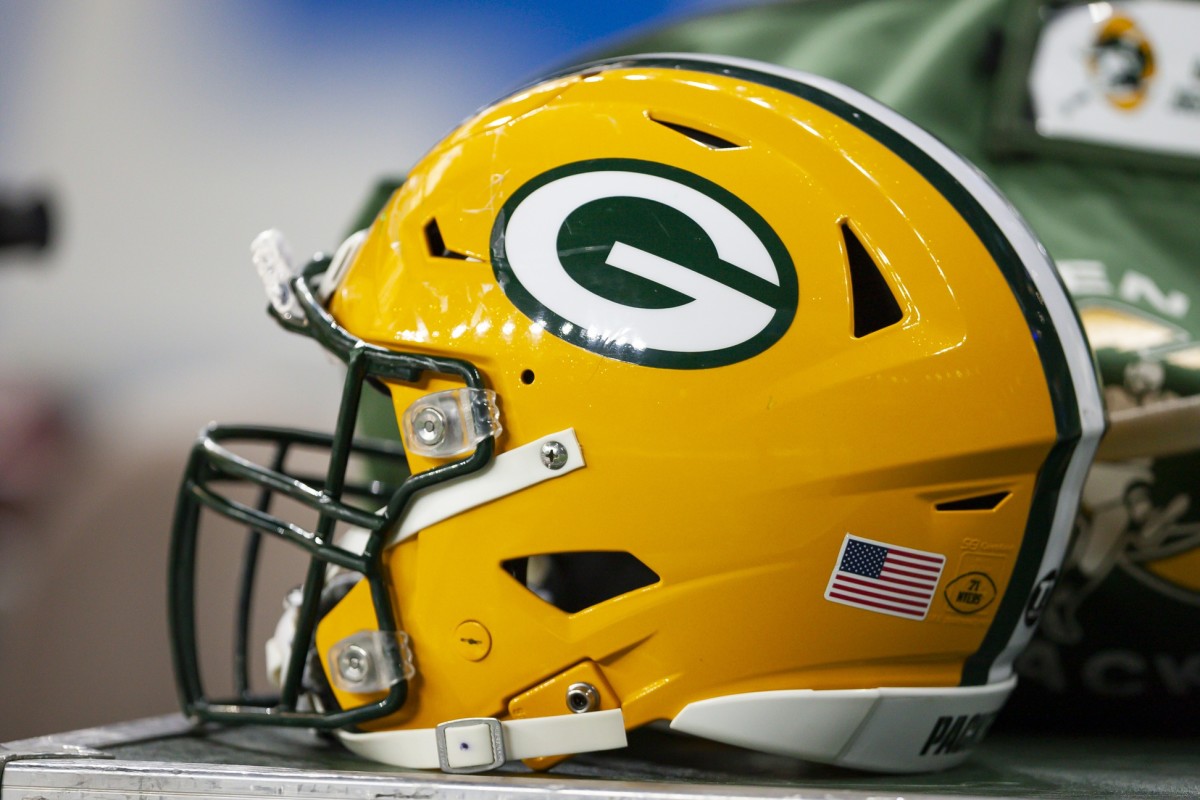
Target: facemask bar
x,y
212,464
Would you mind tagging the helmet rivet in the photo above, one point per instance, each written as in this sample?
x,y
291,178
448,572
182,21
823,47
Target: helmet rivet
x,y
582,697
354,663
429,424
554,455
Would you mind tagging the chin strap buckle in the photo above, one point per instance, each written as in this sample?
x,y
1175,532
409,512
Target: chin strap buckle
x,y
475,744
484,743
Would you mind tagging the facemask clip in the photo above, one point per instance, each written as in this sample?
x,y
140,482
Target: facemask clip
x,y
272,257
450,423
361,663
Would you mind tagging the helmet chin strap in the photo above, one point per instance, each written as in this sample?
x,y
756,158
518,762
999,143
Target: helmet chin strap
x,y
485,743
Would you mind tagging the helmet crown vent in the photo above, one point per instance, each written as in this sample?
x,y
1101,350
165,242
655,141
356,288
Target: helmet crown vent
x,y
874,305
437,245
702,137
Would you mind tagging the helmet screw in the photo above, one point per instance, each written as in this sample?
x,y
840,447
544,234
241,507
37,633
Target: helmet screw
x,y
582,697
354,663
554,456
430,426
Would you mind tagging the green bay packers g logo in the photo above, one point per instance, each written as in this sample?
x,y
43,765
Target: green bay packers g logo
x,y
644,263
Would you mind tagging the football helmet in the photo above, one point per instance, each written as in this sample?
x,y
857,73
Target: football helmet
x,y
727,397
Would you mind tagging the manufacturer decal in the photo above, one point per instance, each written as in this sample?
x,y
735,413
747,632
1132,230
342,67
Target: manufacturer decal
x,y
884,578
970,593
644,263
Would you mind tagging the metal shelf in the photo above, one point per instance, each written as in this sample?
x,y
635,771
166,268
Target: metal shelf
x,y
164,757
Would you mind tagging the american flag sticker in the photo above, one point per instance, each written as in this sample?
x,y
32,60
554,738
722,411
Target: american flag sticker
x,y
882,577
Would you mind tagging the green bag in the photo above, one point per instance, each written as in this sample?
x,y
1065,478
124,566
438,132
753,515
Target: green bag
x,y
1090,124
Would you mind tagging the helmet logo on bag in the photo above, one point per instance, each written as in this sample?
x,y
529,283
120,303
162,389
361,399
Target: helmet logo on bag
x,y
644,263
1121,61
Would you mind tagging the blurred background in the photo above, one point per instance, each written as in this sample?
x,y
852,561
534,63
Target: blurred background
x,y
159,138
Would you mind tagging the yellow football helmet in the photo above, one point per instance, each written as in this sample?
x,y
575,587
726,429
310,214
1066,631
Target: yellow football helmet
x,y
728,398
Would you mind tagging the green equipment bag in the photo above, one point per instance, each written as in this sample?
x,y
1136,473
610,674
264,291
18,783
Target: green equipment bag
x,y
1088,118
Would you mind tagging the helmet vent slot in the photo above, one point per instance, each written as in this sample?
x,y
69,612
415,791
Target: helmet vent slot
x,y
706,138
875,307
572,582
437,245
980,502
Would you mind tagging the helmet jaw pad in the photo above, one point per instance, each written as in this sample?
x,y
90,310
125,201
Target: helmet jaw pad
x,y
885,730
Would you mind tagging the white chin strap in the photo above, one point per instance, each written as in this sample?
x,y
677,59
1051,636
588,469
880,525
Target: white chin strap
x,y
484,743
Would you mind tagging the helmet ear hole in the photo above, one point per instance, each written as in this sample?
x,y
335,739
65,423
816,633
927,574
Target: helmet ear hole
x,y
572,582
527,376
702,137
